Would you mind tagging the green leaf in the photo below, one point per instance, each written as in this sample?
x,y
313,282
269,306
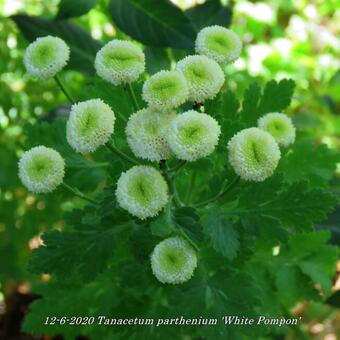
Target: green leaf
x,y
307,161
157,59
84,252
222,232
315,259
296,206
275,98
212,12
83,46
293,286
164,224
154,23
251,99
74,8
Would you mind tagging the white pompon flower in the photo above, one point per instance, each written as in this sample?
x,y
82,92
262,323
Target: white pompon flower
x,y
46,56
91,124
193,135
41,169
204,77
142,191
173,261
146,131
120,62
165,90
280,126
218,43
254,154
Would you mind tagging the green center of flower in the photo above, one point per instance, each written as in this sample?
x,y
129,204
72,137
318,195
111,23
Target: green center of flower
x,y
192,133
152,128
219,42
196,73
141,189
165,88
255,151
39,167
172,260
120,58
277,128
44,54
88,122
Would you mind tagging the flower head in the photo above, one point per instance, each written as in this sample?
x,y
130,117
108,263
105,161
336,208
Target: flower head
x,y
254,154
165,90
120,62
146,131
142,191
46,56
41,169
193,135
218,43
280,126
90,125
204,77
173,261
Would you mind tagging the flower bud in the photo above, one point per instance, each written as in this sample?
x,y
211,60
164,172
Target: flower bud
x,y
146,131
280,126
254,154
142,191
120,62
41,169
193,135
90,125
204,77
218,43
165,90
173,261
46,56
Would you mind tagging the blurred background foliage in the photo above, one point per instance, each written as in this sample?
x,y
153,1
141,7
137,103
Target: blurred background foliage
x,y
295,39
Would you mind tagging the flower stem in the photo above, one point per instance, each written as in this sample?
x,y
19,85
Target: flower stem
x,y
178,166
79,194
121,154
63,89
190,188
172,189
133,97
231,185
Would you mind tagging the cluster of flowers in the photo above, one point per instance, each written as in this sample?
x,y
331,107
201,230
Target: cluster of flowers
x,y
157,132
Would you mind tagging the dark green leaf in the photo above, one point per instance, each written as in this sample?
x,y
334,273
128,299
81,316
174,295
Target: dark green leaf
x,y
212,12
157,59
275,98
154,23
74,8
295,206
83,46
84,252
307,161
222,232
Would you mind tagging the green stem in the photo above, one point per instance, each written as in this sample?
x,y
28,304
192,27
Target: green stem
x,y
178,166
231,185
172,189
188,195
133,97
121,154
63,89
79,194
